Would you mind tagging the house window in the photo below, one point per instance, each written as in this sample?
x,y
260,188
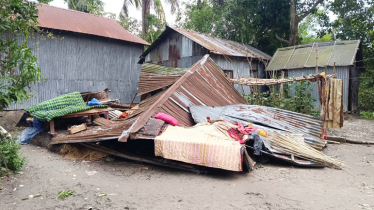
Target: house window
x,y
229,74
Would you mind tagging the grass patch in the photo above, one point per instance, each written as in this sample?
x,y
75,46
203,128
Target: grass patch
x,y
64,194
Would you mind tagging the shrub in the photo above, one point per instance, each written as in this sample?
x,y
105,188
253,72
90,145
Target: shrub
x,y
367,115
9,156
300,100
366,93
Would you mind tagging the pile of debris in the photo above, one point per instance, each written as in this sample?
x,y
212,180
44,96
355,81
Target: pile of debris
x,y
190,119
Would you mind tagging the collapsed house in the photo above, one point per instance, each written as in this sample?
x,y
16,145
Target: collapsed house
x,y
215,128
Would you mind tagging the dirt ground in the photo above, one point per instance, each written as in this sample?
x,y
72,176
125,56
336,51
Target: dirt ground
x,y
130,185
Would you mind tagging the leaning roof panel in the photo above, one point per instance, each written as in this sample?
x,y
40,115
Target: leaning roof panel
x,y
70,20
154,77
204,84
342,53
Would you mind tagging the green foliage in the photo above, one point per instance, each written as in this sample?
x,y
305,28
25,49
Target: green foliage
x,y
308,29
252,22
9,156
64,194
367,115
95,7
156,27
126,4
355,20
366,91
130,24
299,101
18,66
45,1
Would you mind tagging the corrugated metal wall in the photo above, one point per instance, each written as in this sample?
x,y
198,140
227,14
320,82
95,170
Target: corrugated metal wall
x,y
174,49
179,51
241,66
342,73
76,62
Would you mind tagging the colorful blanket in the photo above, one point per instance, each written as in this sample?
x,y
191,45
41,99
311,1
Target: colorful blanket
x,y
60,106
201,145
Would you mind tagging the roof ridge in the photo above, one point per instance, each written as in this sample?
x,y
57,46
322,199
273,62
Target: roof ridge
x,y
72,10
189,30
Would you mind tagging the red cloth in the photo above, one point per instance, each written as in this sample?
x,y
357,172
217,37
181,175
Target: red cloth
x,y
235,135
246,130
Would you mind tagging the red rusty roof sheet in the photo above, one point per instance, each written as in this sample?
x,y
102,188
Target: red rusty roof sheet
x,y
203,84
223,46
80,22
215,45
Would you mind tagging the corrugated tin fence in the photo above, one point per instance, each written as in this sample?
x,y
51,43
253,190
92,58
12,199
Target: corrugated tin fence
x,y
342,73
75,62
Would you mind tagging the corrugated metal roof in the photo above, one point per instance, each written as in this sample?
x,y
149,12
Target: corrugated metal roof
x,y
266,118
154,77
204,84
223,46
80,22
214,44
342,53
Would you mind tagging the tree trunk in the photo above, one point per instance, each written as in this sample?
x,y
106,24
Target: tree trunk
x,y
294,24
146,9
295,19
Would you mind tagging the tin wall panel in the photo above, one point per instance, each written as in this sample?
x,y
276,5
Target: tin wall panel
x,y
76,62
342,73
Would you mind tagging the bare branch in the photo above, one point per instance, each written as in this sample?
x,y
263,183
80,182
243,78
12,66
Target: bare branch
x,y
282,40
303,15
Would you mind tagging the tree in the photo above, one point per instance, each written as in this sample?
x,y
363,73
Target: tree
x,y
156,27
83,5
130,24
95,7
255,21
309,29
298,11
355,20
45,1
18,66
146,10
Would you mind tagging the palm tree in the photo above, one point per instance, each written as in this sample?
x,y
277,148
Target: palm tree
x,y
83,5
146,10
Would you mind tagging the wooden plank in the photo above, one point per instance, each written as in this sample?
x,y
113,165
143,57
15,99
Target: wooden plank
x,y
78,128
86,113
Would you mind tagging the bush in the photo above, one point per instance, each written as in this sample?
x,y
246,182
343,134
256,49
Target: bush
x,y
367,115
366,93
300,100
9,156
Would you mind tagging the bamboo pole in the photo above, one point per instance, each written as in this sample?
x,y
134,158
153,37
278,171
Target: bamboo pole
x,y
317,59
267,82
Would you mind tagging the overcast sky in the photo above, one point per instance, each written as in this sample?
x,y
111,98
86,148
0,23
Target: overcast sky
x,y
115,6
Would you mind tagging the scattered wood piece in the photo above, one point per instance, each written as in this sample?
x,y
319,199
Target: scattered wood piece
x,y
345,140
102,121
77,128
336,138
251,162
332,142
154,161
359,142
